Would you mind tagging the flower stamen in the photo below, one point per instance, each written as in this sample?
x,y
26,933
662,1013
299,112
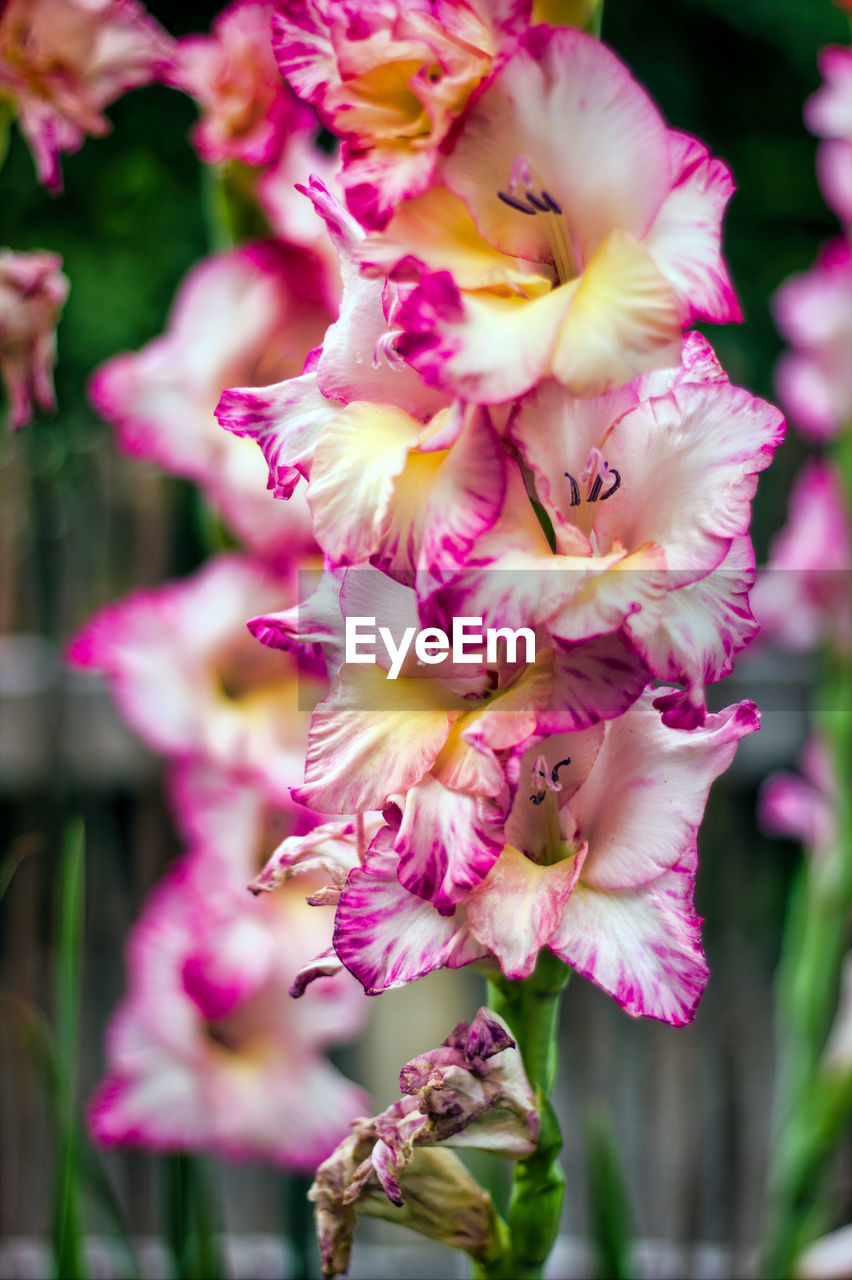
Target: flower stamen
x,y
528,196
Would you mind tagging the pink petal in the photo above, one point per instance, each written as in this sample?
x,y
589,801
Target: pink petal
x,y
518,907
387,937
447,841
372,737
642,946
640,807
287,420
704,624
684,240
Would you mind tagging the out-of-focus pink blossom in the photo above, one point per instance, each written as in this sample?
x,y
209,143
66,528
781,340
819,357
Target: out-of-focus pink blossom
x,y
247,111
390,77
32,294
248,315
232,820
828,113
575,235
802,598
803,805
207,1051
192,682
813,311
63,61
288,419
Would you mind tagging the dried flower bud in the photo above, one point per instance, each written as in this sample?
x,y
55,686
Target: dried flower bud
x,y
472,1091
32,294
441,1200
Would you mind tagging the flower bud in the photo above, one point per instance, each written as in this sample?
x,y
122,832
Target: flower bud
x,y
440,1199
471,1091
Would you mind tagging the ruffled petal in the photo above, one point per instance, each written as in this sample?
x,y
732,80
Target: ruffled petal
x,y
642,946
387,937
640,806
519,906
684,240
704,624
372,737
447,841
287,420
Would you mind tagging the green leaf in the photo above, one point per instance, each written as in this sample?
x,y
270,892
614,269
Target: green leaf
x,y
610,1220
67,1236
39,1045
192,1219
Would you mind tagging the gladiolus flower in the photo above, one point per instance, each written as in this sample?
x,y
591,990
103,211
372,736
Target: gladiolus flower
x,y
63,61
243,315
697,444
813,311
802,806
828,113
390,77
802,598
598,865
289,418
32,294
193,683
207,1052
430,745
247,110
575,236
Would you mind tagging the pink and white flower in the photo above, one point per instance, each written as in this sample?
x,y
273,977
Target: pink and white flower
x,y
598,865
247,112
231,820
207,1051
803,806
427,745
63,61
802,598
32,294
288,419
670,462
828,114
813,311
391,78
245,315
575,235
192,682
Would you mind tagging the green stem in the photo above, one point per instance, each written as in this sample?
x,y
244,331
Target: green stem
x,y
67,1224
594,22
191,1219
7,115
531,1009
